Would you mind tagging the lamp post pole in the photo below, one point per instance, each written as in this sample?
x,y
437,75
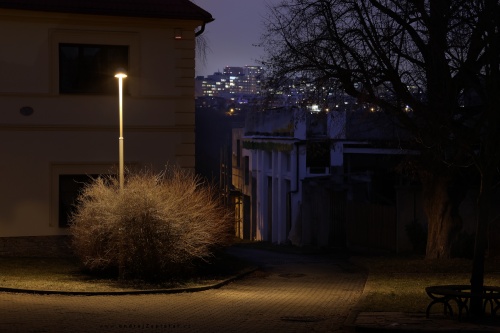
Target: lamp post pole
x,y
120,75
121,164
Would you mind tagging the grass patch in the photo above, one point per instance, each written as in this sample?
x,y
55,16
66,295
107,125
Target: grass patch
x,y
56,274
398,284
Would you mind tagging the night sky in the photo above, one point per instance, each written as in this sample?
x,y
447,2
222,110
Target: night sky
x,y
234,33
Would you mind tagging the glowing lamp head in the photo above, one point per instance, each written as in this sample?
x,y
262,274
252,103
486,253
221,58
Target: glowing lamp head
x,y
120,74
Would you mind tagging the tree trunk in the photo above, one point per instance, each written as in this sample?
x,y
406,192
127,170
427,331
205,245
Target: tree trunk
x,y
442,198
477,276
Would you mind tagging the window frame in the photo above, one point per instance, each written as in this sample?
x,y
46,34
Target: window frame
x,y
92,69
100,37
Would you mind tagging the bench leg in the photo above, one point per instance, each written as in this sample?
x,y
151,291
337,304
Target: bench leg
x,y
446,307
494,306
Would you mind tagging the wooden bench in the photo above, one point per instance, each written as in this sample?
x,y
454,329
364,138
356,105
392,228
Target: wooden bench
x,y
461,295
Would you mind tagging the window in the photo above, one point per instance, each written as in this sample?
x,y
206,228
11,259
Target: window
x,y
288,162
269,159
318,154
70,187
238,153
90,69
247,170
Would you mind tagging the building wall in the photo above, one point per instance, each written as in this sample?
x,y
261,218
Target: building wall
x,y
294,199
275,144
78,134
275,189
238,183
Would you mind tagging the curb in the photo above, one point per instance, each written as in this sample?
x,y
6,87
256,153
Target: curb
x,y
133,292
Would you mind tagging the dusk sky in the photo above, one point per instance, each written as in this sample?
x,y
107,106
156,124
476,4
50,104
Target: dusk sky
x,y
232,36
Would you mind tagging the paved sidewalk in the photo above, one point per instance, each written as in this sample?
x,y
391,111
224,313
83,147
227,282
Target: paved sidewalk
x,y
290,293
409,323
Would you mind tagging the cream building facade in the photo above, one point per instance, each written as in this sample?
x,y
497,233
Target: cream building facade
x,y
59,99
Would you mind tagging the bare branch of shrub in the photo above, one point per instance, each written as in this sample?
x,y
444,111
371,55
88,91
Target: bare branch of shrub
x,y
159,223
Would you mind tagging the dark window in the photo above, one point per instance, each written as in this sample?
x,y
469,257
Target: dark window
x,y
247,170
70,186
318,154
269,158
269,209
317,170
90,69
238,153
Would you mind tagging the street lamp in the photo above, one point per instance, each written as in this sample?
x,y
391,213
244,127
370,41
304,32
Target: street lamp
x,y
120,75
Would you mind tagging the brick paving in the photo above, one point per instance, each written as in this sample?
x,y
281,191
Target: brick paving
x,y
291,293
417,322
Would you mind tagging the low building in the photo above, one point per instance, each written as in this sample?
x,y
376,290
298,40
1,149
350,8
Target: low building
x,y
307,178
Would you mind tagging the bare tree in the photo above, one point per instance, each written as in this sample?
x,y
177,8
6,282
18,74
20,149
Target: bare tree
x,y
202,49
384,51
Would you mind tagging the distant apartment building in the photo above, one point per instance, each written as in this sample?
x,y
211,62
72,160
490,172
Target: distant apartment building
x,y
251,82
233,83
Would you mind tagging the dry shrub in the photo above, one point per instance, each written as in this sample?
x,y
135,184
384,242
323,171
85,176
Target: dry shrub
x,y
154,229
